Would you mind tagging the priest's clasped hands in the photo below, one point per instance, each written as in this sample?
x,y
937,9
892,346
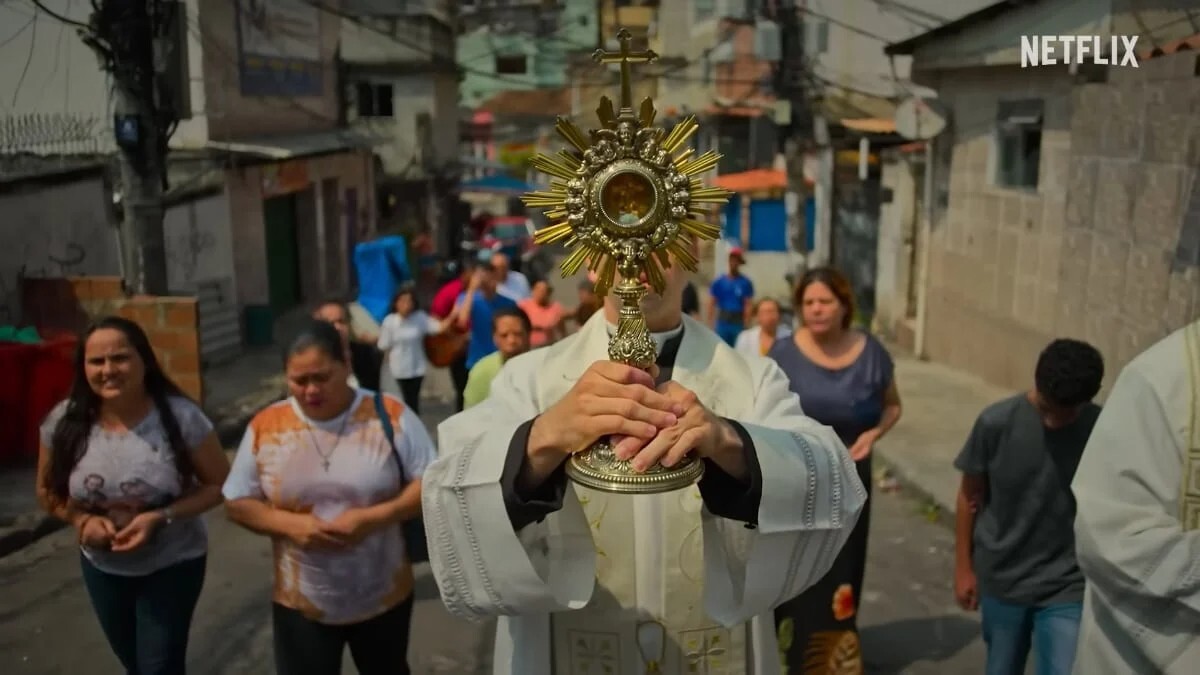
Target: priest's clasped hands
x,y
647,424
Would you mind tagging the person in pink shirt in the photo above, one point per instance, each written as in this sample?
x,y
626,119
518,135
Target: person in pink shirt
x,y
545,314
447,295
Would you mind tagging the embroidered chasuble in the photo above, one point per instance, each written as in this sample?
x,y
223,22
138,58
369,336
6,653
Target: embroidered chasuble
x,y
652,608
1137,527
632,584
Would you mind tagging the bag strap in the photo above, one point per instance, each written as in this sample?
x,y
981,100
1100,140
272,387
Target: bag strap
x,y
390,432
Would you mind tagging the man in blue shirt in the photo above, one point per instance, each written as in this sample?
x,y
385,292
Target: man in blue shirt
x,y
475,308
731,298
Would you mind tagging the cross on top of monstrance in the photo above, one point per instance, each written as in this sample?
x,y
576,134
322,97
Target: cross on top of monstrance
x,y
626,57
627,199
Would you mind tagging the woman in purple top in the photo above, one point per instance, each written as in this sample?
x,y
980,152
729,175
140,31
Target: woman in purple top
x,y
844,378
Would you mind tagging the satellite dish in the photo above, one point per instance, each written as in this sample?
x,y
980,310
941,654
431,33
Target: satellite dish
x,y
919,119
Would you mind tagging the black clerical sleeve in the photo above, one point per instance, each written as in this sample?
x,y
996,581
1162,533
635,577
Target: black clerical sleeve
x,y
728,497
526,508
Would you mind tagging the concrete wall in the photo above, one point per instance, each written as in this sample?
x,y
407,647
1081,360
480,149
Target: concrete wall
x,y
1131,235
51,230
1106,249
245,190
232,115
681,35
898,219
435,94
199,242
857,31
995,251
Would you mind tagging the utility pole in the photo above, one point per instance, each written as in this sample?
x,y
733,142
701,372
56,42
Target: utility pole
x,y
791,85
124,34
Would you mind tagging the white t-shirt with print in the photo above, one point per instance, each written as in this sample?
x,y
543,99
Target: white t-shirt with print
x,y
403,339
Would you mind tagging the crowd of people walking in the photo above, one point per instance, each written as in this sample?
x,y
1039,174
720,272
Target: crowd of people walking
x,y
333,476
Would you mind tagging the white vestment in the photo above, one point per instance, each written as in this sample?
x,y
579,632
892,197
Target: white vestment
x,y
747,342
611,583
1137,527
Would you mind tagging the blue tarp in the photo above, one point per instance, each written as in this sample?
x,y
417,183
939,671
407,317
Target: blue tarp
x,y
382,266
497,183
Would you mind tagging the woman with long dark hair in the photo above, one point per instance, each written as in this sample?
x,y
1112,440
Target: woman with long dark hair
x,y
131,462
330,475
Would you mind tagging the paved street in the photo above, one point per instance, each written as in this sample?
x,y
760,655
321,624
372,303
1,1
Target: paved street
x,y
910,624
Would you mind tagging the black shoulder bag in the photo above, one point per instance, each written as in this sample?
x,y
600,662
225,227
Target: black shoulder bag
x,y
415,545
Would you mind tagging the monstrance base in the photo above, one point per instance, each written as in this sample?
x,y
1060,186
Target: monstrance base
x,y
598,468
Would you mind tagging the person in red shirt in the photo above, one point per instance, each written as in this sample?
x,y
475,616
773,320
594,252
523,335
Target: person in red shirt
x,y
459,274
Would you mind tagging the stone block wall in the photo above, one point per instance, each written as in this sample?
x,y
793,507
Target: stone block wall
x,y
171,323
993,262
1108,247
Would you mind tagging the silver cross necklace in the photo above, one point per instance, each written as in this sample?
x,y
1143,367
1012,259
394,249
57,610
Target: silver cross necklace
x,y
317,446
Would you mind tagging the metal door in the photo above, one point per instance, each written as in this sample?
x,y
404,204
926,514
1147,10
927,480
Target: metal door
x,y
220,332
283,265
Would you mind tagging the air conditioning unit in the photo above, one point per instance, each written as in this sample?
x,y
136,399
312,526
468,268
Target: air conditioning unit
x,y
768,45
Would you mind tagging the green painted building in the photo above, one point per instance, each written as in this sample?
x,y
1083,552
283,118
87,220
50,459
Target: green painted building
x,y
517,45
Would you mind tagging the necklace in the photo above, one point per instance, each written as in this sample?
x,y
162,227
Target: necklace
x,y
317,446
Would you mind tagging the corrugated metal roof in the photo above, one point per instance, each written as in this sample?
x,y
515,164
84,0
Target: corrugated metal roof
x,y
300,145
529,103
753,181
1190,43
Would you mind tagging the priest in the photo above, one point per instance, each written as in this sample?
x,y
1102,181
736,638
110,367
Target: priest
x,y
593,582
1137,526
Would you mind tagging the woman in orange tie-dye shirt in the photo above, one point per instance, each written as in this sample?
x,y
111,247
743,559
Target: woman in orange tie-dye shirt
x,y
318,474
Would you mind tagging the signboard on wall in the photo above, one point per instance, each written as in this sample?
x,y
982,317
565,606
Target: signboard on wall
x,y
279,47
284,178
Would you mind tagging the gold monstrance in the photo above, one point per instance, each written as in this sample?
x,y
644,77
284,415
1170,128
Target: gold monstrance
x,y
626,200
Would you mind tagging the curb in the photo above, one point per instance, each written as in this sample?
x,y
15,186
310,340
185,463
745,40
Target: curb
x,y
28,528
911,484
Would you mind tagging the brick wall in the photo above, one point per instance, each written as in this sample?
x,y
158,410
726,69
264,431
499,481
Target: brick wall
x,y
739,82
171,323
1105,250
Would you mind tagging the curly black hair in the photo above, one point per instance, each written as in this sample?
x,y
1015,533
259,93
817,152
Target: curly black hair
x,y
1069,372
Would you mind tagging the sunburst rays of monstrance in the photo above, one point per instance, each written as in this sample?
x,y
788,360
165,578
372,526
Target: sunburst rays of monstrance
x,y
627,200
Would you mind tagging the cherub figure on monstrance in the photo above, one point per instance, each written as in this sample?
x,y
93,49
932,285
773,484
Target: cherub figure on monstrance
x,y
627,201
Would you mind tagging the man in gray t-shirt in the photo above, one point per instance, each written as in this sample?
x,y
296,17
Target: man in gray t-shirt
x,y
1015,557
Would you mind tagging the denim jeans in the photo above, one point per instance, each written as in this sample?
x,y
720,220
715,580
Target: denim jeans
x,y
146,619
729,331
1010,629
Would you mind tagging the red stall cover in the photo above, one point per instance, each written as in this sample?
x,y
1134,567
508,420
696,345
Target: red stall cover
x,y
16,362
49,382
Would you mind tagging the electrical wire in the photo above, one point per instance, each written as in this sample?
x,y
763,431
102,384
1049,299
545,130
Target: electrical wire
x,y
70,22
28,60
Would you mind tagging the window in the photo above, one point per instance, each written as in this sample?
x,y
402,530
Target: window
x,y
511,65
374,100
819,35
1017,149
703,10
